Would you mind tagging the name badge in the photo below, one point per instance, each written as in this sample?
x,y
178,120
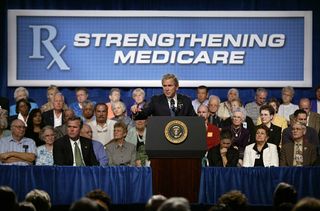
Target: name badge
x,y
209,134
257,156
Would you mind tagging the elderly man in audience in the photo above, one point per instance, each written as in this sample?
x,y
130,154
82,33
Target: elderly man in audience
x,y
119,151
102,127
315,103
253,108
98,148
137,136
287,108
51,92
16,149
202,97
88,112
82,95
225,109
224,155
213,105
73,149
274,134
213,132
55,116
44,152
261,153
61,130
21,93
120,114
114,96
299,152
311,134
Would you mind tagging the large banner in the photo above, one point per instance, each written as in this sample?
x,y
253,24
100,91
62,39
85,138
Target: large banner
x,y
135,48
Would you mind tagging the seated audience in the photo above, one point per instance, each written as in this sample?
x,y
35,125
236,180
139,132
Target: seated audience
x,y
155,202
119,151
21,93
88,112
202,97
84,204
51,92
66,150
4,132
287,108
277,120
138,96
313,118
307,204
55,117
120,114
224,155
299,152
137,136
44,152
284,197
40,199
240,134
235,200
26,206
261,153
22,109
101,198
114,96
61,130
8,199
274,134
315,104
213,105
311,134
225,108
34,126
212,132
175,204
82,95
253,108
16,149
102,127
98,148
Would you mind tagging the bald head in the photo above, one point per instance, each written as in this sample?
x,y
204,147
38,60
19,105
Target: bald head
x,y
86,131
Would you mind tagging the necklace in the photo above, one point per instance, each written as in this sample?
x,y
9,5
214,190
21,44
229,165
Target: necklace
x,y
236,131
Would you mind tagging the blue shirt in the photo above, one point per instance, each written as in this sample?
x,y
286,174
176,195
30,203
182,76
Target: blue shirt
x,y
44,157
100,153
8,144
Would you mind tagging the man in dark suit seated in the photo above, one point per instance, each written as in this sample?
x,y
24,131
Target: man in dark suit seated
x,y
55,116
72,149
167,104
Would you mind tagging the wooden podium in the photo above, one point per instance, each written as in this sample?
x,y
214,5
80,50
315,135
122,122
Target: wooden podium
x,y
176,167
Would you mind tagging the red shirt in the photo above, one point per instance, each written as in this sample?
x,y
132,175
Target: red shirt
x,y
213,136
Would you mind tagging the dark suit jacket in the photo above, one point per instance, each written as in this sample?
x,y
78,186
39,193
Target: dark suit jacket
x,y
62,152
48,118
159,106
215,159
309,154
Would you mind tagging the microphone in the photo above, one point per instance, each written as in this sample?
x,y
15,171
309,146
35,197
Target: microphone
x,y
25,147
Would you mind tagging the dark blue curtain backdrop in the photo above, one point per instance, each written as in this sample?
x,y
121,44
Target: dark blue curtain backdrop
x,y
100,94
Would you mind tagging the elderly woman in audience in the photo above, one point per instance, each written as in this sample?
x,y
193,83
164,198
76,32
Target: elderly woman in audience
x,y
224,155
34,126
266,115
261,153
119,151
21,93
4,124
138,95
22,110
51,92
225,109
44,152
287,108
277,120
240,134
120,114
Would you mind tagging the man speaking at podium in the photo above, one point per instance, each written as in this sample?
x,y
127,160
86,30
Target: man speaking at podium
x,y
167,104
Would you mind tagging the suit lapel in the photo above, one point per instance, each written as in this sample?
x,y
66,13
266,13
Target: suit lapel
x,y
290,153
164,102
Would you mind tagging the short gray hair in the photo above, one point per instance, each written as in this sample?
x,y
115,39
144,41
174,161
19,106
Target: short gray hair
x,y
20,89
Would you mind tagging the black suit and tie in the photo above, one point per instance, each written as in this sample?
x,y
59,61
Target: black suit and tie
x,y
63,154
48,118
160,106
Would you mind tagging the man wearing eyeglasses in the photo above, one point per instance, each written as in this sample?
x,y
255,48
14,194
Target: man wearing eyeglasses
x,y
17,149
102,127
